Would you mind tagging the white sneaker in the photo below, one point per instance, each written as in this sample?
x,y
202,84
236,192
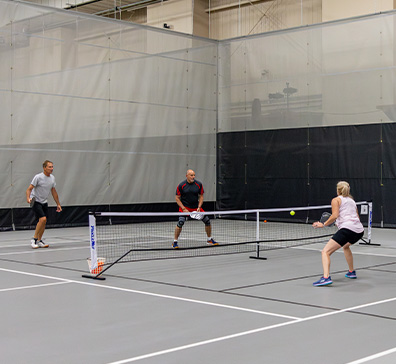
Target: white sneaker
x,y
33,244
41,244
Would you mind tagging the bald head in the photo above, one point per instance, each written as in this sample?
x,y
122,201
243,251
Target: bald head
x,y
190,175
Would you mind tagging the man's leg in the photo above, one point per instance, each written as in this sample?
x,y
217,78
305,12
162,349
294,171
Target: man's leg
x,y
40,243
177,232
40,228
208,230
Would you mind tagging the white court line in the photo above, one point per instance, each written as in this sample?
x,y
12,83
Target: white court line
x,y
155,295
341,251
375,356
38,275
27,245
32,251
34,286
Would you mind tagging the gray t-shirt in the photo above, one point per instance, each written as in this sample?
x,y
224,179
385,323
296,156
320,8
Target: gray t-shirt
x,y
42,187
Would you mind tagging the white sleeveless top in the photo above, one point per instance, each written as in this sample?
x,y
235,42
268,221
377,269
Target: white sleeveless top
x,y
348,217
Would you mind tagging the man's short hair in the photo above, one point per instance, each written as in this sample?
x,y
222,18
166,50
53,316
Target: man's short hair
x,y
46,163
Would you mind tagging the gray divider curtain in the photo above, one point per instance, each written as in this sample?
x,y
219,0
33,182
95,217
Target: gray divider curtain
x,y
121,109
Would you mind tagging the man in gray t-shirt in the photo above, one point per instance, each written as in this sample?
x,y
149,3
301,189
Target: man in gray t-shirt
x,y
37,196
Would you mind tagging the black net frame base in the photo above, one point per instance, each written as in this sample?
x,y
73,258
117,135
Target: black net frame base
x,y
99,275
257,256
91,276
368,243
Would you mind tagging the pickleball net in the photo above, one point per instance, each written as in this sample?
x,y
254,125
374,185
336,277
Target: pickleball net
x,y
119,237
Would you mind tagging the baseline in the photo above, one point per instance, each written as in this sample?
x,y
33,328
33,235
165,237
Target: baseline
x,y
46,251
372,357
33,286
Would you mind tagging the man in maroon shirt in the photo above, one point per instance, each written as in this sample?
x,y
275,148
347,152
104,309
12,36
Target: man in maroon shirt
x,y
189,197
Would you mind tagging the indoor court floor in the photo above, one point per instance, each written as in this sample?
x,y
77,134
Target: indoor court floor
x,y
217,309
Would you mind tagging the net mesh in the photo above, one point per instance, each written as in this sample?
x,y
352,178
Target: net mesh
x,y
146,236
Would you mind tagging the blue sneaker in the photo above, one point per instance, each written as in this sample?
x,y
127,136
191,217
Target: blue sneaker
x,y
351,275
174,245
323,282
212,242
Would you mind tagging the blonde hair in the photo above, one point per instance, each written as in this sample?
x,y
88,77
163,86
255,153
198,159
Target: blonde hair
x,y
343,189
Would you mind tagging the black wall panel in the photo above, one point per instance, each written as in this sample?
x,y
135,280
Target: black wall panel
x,y
5,219
301,167
389,151
348,151
263,146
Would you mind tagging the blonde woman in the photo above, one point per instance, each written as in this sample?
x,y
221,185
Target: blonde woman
x,y
350,230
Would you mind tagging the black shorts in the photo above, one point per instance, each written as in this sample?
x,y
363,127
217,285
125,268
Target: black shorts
x,y
344,236
40,209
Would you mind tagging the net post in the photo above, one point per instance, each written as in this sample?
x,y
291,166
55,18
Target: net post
x,y
93,246
257,238
369,226
370,221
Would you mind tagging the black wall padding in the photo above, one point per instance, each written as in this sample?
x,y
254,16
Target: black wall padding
x,y
301,167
